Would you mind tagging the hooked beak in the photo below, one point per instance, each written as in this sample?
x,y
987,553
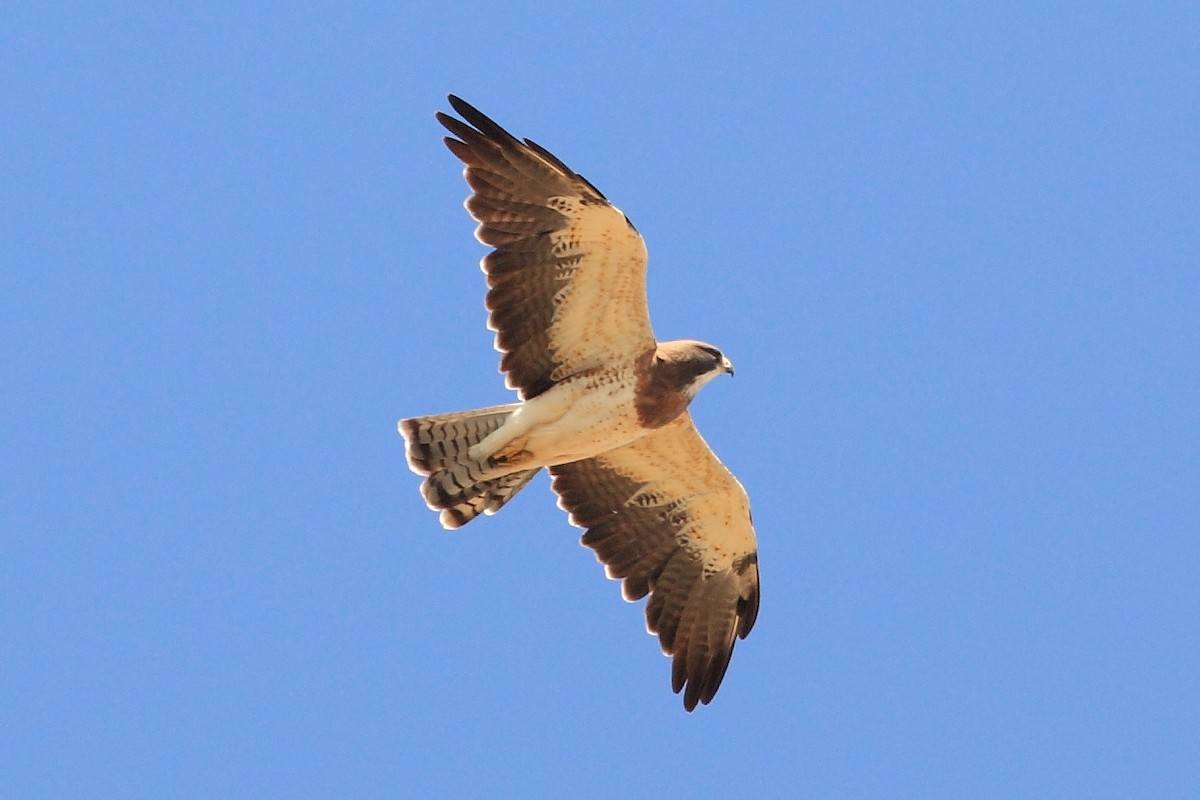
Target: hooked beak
x,y
727,365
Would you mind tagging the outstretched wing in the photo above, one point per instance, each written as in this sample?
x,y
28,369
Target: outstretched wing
x,y
666,516
567,280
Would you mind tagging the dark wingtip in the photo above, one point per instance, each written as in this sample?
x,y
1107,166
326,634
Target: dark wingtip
x,y
482,122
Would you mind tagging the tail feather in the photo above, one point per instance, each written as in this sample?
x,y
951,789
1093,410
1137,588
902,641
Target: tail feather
x,y
457,485
487,498
441,440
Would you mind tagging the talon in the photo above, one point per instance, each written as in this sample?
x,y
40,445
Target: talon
x,y
513,458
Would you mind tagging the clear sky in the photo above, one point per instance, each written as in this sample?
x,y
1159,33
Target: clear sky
x,y
953,251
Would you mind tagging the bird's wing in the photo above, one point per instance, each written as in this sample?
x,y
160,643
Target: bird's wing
x,y
567,280
664,514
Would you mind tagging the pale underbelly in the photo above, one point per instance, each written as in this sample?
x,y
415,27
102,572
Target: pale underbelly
x,y
549,446
574,420
597,422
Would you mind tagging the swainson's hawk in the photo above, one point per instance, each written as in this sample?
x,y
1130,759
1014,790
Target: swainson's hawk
x,y
603,406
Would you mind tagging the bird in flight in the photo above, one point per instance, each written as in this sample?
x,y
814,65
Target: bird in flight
x,y
603,406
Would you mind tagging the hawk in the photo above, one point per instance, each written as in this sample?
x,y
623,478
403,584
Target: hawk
x,y
603,406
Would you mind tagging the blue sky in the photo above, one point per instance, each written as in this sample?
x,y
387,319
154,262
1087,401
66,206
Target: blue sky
x,y
953,251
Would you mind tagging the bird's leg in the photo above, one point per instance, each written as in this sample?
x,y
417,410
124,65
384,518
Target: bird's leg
x,y
513,454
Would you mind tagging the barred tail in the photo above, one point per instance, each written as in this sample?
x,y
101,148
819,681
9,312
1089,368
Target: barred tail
x,y
459,486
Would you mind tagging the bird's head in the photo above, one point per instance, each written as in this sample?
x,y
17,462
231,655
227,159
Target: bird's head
x,y
693,363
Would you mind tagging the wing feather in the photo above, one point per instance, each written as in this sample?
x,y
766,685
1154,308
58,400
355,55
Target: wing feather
x,y
664,515
567,280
